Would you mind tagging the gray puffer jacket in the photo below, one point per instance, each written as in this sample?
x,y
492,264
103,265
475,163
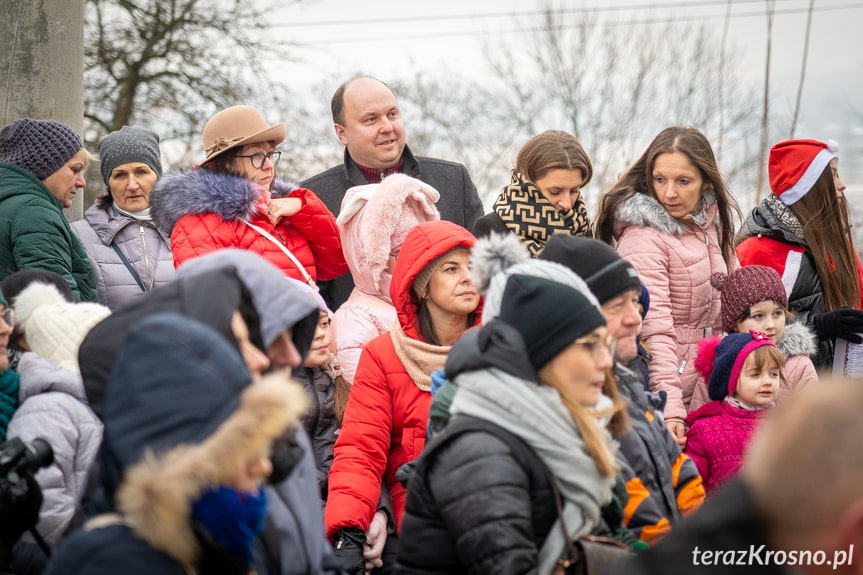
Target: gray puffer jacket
x,y
54,407
145,247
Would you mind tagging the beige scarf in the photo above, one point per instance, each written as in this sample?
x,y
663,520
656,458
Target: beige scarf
x,y
419,358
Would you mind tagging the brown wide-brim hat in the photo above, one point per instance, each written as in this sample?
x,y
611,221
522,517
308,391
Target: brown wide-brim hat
x,y
237,126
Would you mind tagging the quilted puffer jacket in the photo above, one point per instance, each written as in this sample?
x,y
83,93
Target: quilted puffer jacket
x,y
674,259
147,250
203,211
385,421
717,438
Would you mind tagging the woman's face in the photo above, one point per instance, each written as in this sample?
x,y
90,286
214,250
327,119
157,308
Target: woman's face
x,y
130,186
256,361
319,354
65,182
758,387
840,186
560,187
450,291
578,372
263,176
677,183
5,332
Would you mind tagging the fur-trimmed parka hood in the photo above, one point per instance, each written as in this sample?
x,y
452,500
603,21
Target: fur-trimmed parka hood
x,y
644,210
367,220
201,191
797,339
172,432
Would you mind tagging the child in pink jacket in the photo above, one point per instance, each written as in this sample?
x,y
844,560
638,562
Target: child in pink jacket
x,y
744,374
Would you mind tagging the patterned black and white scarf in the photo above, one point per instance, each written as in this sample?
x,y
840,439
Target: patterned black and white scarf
x,y
531,217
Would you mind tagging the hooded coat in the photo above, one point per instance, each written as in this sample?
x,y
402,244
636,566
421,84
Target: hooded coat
x,y
147,250
717,438
34,233
180,423
385,421
674,259
203,211
54,407
774,239
369,216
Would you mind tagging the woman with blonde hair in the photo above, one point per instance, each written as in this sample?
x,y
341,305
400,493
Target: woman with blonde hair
x,y
672,218
544,196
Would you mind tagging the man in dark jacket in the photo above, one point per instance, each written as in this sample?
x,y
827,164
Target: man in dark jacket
x,y
368,122
663,483
798,506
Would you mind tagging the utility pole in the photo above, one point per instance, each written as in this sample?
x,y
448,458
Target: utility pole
x,y
42,65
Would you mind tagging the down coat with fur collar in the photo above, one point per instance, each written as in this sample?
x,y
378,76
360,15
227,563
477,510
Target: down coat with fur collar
x,y
674,259
385,421
181,423
203,211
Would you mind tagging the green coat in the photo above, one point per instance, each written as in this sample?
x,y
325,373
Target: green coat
x,y
34,233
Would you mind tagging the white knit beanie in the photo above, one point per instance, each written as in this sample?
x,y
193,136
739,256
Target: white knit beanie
x,y
55,328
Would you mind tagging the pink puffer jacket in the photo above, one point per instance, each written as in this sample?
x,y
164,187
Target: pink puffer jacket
x,y
674,259
369,216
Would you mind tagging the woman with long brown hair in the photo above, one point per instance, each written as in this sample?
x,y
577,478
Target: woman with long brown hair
x,y
671,216
802,231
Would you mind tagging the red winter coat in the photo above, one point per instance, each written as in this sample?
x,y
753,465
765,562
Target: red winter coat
x,y
717,439
385,421
204,211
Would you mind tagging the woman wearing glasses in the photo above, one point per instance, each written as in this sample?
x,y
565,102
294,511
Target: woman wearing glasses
x,y
233,200
525,463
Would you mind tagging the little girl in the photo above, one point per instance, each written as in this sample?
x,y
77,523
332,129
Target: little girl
x,y
744,374
753,297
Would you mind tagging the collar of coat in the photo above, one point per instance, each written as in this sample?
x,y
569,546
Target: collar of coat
x,y
201,191
644,210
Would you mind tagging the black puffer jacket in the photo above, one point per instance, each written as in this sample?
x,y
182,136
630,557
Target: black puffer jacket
x,y
771,219
320,422
447,527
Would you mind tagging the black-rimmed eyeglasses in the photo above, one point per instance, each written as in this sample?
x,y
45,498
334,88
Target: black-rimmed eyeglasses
x,y
258,158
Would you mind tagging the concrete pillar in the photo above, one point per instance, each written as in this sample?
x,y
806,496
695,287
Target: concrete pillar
x,y
42,65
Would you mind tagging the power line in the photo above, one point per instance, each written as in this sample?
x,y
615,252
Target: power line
x,y
525,29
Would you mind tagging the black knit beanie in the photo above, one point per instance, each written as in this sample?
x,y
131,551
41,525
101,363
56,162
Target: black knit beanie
x,y
126,145
607,274
39,146
548,315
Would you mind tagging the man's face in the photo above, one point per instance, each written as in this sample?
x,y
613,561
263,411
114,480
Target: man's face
x,y
373,130
623,322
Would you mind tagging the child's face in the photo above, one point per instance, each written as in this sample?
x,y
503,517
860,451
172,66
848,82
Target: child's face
x,y
767,317
319,354
755,386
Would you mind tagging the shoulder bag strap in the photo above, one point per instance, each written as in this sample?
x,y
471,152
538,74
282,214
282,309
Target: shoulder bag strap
x,y
286,251
129,267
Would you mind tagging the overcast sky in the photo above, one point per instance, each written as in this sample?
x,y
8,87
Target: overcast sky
x,y
381,37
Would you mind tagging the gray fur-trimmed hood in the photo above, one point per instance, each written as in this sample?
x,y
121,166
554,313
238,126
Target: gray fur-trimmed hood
x,y
797,339
644,210
201,191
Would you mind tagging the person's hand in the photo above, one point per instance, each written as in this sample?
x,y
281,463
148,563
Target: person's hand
x,y
678,431
348,549
19,511
845,323
376,538
283,208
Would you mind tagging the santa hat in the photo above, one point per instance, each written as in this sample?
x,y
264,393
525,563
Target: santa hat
x,y
720,360
795,166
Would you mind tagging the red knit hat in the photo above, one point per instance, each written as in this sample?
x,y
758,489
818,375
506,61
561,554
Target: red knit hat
x,y
744,288
794,167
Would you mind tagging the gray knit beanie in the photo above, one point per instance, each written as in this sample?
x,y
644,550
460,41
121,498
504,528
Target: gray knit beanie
x,y
39,146
126,145
496,257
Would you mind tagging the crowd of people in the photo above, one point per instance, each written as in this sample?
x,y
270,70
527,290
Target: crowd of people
x,y
364,374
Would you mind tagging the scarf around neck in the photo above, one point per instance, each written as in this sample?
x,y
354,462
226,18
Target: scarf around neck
x,y
526,212
740,404
141,216
9,384
233,518
536,414
419,358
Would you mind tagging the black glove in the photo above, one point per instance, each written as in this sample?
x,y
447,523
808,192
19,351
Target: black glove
x,y
348,548
844,322
19,511
285,454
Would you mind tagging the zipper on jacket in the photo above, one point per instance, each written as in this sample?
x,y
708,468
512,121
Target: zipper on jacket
x,y
147,269
682,367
